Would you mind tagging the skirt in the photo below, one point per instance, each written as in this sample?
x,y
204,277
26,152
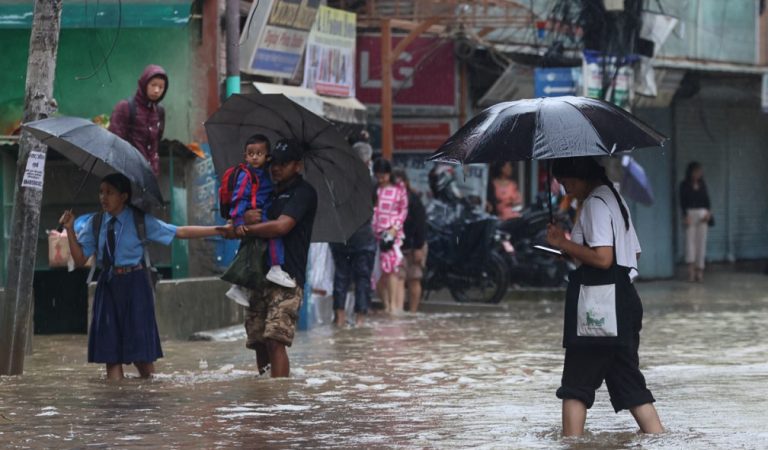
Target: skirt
x,y
124,329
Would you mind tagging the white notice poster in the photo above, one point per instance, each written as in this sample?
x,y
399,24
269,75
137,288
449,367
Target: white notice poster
x,y
33,175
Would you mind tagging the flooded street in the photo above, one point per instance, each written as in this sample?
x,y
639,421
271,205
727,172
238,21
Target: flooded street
x,y
438,380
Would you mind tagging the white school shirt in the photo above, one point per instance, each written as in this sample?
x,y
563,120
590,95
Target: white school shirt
x,y
599,222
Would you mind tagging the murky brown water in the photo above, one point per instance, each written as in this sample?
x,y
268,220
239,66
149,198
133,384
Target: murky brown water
x,y
450,380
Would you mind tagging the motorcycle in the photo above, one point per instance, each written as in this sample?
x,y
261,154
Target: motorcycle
x,y
464,255
528,266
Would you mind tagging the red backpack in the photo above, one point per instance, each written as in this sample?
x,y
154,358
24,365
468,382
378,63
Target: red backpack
x,y
227,188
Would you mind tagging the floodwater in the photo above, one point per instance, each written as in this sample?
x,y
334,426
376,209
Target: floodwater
x,y
439,380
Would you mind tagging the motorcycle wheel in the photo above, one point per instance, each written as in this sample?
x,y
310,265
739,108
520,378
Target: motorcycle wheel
x,y
490,287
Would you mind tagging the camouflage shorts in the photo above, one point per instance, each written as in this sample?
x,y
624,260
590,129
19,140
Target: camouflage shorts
x,y
272,315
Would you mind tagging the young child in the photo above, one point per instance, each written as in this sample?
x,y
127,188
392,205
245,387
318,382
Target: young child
x,y
123,329
257,149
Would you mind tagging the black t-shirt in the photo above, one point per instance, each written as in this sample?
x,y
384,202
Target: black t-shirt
x,y
691,198
298,201
415,227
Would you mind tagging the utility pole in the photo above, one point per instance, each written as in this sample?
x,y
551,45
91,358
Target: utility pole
x,y
232,23
16,306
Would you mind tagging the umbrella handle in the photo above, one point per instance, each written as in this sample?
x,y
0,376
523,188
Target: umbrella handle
x,y
549,190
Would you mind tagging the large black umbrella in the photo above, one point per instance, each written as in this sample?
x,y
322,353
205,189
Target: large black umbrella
x,y
547,128
99,152
340,178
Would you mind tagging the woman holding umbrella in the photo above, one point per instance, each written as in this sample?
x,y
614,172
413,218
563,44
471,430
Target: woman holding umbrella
x,y
602,238
123,329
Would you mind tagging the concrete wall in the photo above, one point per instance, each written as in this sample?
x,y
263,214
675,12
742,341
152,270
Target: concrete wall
x,y
183,307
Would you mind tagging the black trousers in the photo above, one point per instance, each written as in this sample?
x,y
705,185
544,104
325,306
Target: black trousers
x,y
585,369
353,264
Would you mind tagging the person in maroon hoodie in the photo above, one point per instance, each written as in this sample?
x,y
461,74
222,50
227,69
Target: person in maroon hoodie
x,y
140,119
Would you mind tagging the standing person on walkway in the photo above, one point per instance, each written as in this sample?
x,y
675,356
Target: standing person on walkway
x,y
140,119
414,244
353,261
697,217
389,216
602,236
123,329
271,317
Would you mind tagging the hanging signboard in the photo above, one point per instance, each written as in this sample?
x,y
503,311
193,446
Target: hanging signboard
x,y
329,68
621,81
276,39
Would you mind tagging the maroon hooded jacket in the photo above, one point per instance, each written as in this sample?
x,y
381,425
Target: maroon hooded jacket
x,y
149,122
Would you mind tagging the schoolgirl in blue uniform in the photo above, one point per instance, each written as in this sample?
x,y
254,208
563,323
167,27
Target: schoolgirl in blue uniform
x,y
123,329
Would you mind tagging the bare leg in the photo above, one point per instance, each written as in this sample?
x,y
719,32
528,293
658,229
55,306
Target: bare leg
x,y
262,357
574,417
391,286
278,356
647,418
341,317
359,319
691,272
385,293
114,372
399,293
414,295
145,369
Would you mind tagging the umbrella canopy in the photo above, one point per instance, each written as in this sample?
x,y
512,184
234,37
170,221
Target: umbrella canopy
x,y
547,128
635,183
340,178
100,152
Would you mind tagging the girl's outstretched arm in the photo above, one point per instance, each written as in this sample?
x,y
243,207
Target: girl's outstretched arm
x,y
195,232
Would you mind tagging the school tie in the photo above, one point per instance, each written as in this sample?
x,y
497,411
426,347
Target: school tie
x,y
109,252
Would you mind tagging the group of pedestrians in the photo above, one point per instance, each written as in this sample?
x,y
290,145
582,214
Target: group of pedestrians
x,y
387,253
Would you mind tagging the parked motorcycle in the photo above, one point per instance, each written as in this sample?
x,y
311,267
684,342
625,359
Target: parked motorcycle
x,y
528,266
464,259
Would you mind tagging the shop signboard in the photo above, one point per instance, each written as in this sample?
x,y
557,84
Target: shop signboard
x,y
276,40
329,68
423,77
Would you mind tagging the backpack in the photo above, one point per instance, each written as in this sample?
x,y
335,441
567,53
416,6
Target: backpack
x,y
227,188
141,231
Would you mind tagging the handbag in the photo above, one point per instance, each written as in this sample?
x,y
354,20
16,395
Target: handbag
x,y
711,221
598,306
247,268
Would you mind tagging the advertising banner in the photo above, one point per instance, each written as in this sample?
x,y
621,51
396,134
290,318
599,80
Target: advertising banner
x,y
282,36
329,68
620,89
425,136
423,78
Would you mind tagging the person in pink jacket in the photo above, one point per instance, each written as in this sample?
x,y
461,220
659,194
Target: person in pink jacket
x,y
389,216
140,119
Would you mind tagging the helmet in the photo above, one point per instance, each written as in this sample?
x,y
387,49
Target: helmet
x,y
442,182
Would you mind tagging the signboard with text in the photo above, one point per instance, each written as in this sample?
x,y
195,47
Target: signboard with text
x,y
423,77
620,88
278,44
329,67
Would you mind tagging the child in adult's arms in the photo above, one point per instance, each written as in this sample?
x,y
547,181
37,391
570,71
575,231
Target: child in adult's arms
x,y
123,329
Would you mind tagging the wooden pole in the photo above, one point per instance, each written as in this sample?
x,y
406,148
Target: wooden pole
x,y
16,307
387,137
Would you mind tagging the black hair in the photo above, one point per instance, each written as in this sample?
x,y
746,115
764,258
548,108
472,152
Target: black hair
x,y
587,168
692,166
497,167
258,139
119,182
381,165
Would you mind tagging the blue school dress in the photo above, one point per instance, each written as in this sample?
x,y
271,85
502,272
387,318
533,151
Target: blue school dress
x,y
124,328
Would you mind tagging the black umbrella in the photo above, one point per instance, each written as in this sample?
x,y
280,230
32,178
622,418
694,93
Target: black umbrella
x,y
340,178
547,128
100,152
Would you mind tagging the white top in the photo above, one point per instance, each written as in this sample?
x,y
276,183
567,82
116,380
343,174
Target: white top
x,y
598,223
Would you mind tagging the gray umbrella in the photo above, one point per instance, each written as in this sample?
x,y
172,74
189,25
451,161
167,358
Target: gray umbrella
x,y
343,184
100,152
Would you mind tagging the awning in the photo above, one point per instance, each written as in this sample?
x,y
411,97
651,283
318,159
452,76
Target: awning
x,y
339,109
103,14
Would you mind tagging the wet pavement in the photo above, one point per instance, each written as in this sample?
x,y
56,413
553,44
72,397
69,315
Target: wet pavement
x,y
480,378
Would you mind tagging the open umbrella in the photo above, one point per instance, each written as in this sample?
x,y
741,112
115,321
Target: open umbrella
x,y
547,128
340,178
99,152
634,182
